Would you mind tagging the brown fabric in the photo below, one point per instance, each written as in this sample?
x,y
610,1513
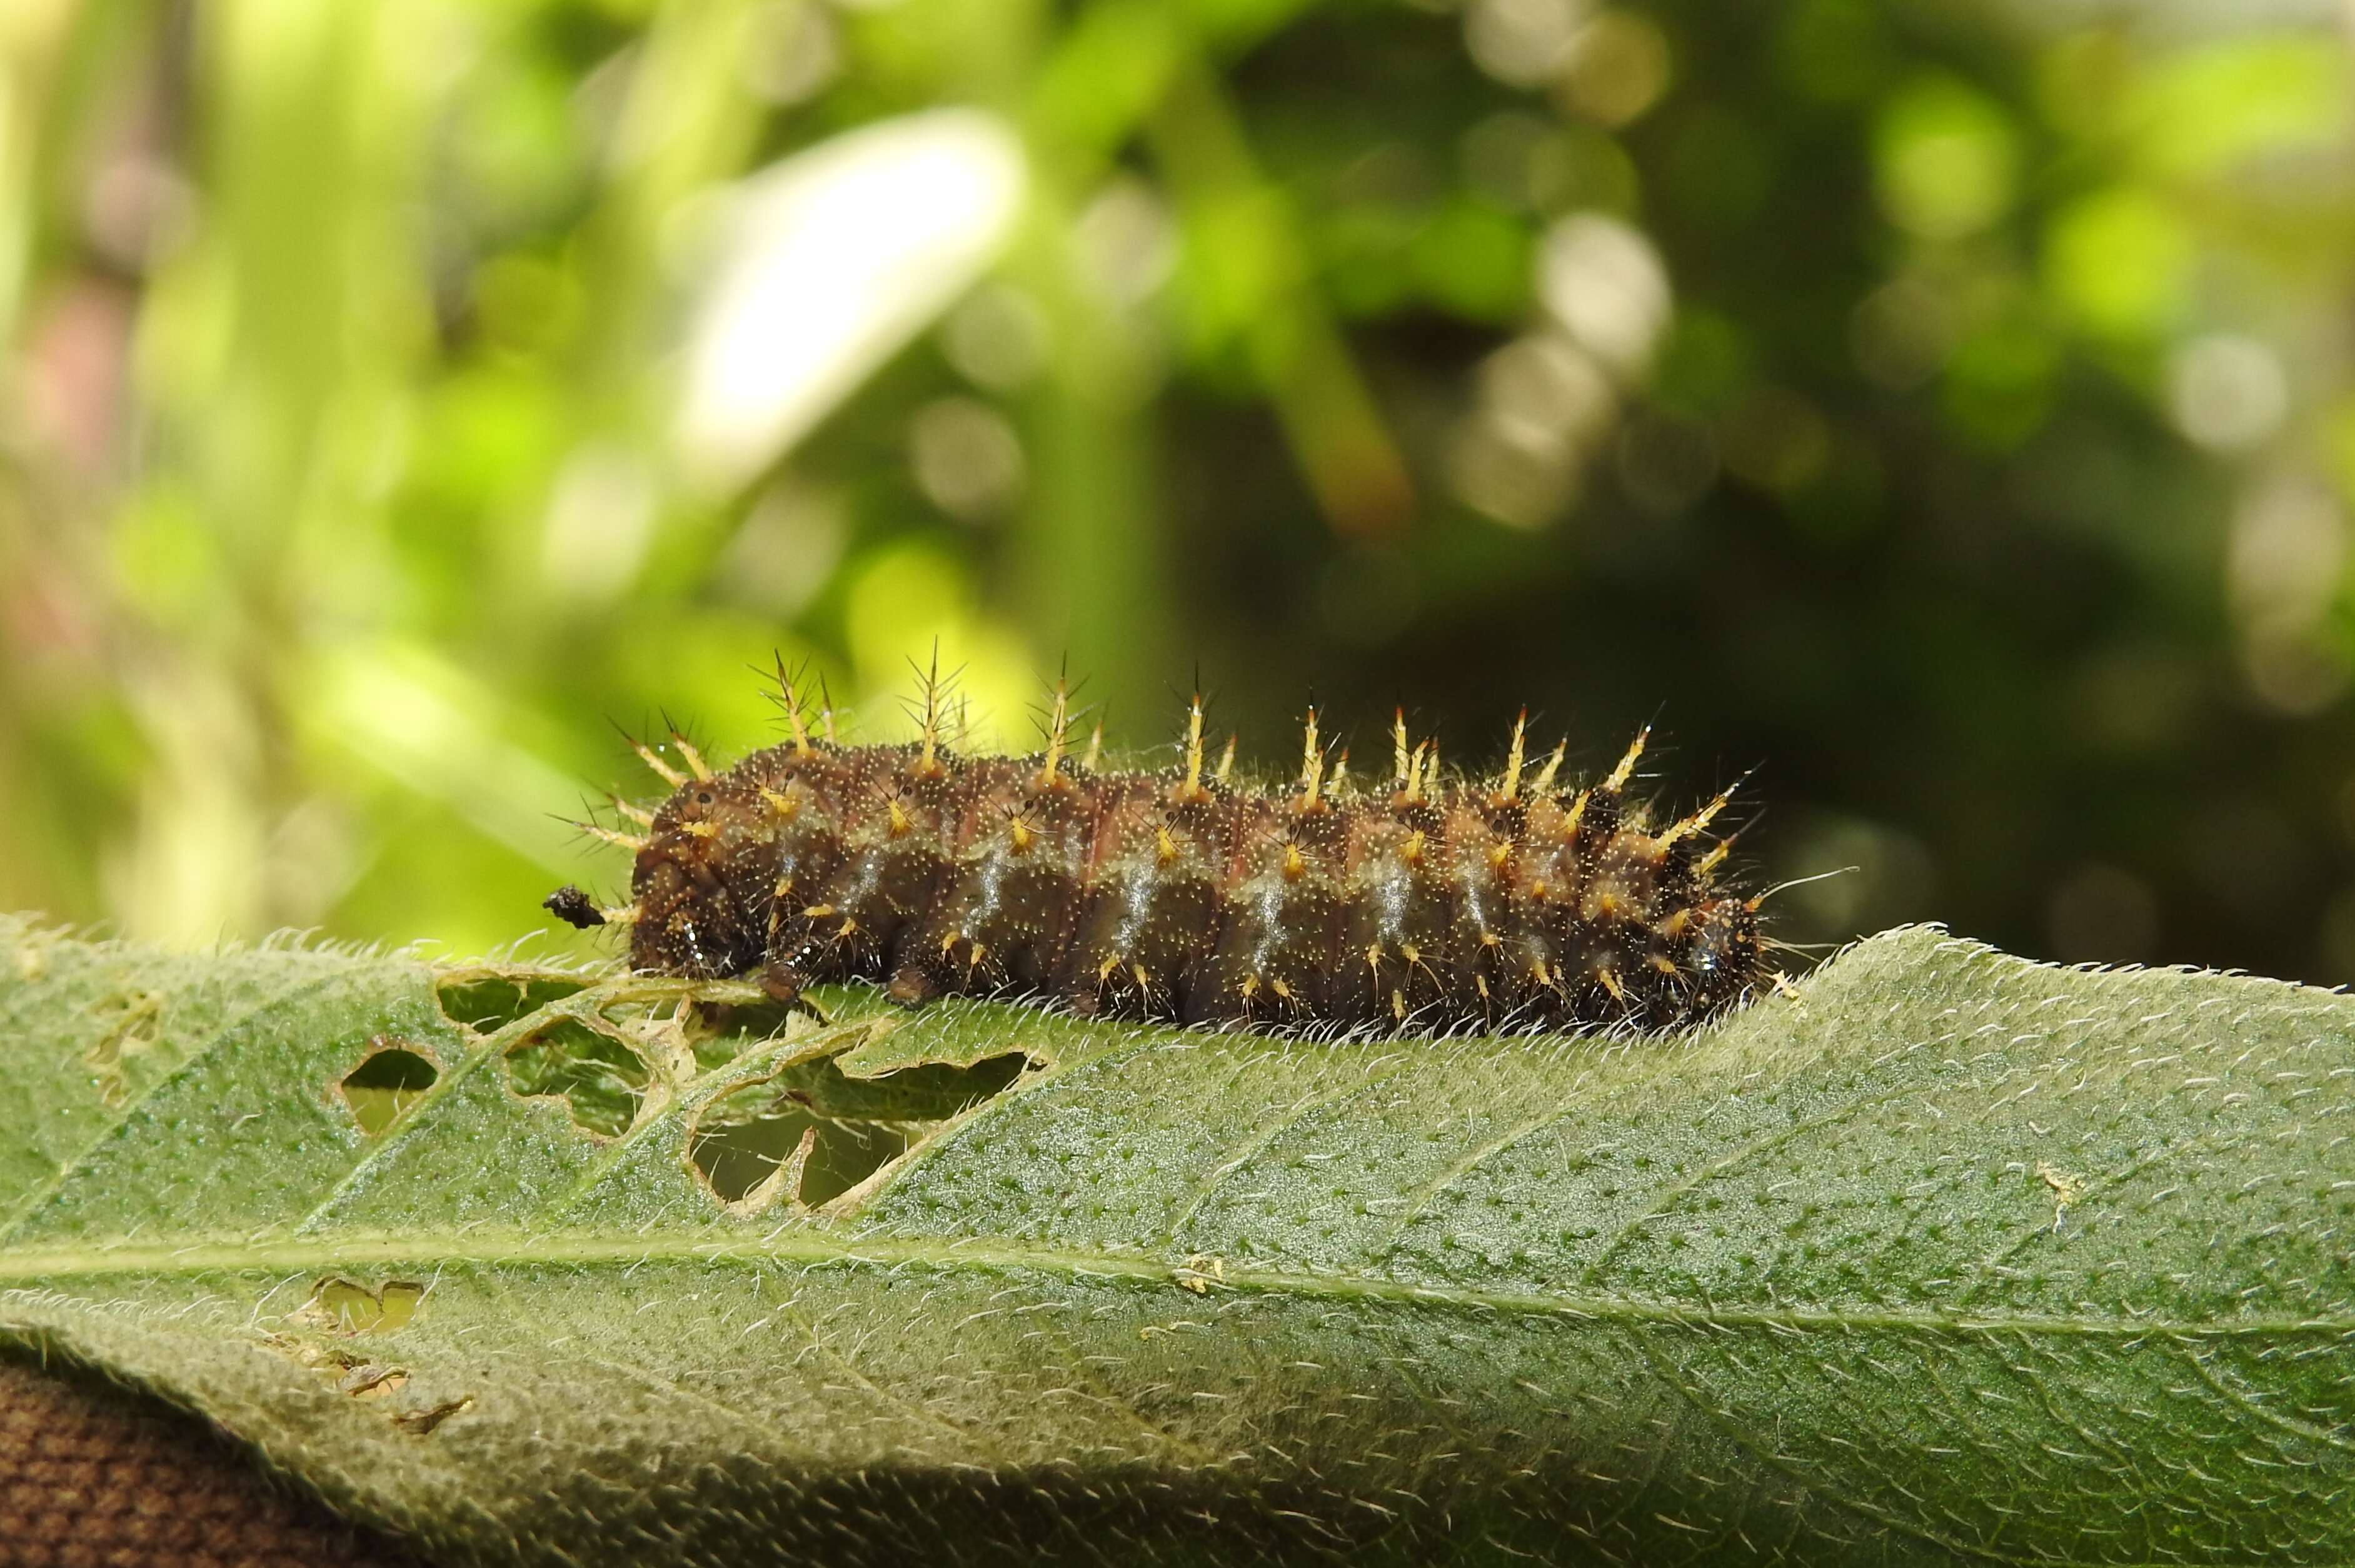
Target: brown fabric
x,y
93,1476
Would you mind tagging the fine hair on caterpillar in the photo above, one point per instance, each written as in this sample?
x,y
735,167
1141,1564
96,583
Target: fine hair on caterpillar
x,y
1427,901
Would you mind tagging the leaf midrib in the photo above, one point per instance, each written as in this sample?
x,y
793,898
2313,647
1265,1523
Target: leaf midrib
x,y
490,1248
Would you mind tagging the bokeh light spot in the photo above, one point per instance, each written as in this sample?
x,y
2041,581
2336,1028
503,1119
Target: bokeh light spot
x,y
1603,282
1946,159
966,458
1616,67
996,338
1520,42
2227,392
2119,261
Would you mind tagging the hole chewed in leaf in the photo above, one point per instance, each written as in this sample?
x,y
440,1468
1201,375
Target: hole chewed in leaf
x,y
719,1032
750,1163
386,1084
743,1139
346,1306
487,1000
932,1092
130,1022
848,1153
596,1073
337,1333
810,1133
741,1152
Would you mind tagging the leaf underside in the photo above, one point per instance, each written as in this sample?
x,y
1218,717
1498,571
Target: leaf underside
x,y
1943,1257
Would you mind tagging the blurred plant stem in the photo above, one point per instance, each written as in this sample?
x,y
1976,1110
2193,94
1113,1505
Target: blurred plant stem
x,y
685,122
1094,537
1258,274
277,354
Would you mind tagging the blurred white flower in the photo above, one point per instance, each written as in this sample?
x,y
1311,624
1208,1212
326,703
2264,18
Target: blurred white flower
x,y
828,263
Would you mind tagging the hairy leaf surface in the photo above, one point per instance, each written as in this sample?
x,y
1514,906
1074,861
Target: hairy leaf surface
x,y
1944,1257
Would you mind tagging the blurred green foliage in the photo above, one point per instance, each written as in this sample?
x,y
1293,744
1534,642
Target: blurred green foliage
x,y
1948,407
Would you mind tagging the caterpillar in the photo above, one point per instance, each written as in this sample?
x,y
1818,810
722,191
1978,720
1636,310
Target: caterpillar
x,y
1434,903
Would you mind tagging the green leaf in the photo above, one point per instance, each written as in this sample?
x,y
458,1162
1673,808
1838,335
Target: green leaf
x,y
1944,1256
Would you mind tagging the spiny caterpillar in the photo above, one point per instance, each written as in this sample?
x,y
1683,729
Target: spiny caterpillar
x,y
1436,904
